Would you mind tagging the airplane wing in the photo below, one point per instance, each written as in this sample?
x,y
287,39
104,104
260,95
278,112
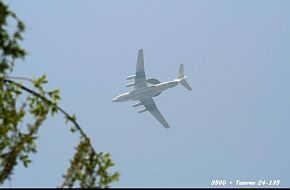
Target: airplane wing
x,y
152,108
140,78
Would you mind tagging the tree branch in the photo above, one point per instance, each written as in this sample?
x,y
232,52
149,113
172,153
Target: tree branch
x,y
68,116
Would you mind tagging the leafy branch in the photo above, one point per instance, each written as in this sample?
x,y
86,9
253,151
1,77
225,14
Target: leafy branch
x,y
87,167
87,163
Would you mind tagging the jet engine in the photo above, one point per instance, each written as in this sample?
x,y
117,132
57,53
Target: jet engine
x,y
153,82
142,110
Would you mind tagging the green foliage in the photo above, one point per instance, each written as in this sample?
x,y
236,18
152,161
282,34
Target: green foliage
x,y
87,168
9,42
87,164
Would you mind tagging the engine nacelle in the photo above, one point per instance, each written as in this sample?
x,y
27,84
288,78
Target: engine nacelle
x,y
130,77
130,84
137,104
142,110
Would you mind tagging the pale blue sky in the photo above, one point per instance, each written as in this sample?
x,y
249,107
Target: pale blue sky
x,y
235,124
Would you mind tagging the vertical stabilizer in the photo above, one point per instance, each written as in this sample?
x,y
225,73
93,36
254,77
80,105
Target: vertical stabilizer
x,y
181,78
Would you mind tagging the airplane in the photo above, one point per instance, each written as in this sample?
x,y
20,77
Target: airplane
x,y
145,90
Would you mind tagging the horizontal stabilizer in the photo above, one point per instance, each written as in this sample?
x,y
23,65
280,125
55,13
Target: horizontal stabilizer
x,y
180,74
185,84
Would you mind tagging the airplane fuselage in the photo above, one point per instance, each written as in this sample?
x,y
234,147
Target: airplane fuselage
x,y
146,92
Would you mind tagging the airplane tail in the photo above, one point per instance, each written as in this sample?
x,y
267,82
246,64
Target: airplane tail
x,y
181,78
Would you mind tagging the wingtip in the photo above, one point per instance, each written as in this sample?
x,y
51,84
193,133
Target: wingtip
x,y
166,126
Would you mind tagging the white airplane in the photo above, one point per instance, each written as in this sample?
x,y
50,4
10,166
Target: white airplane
x,y
145,90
